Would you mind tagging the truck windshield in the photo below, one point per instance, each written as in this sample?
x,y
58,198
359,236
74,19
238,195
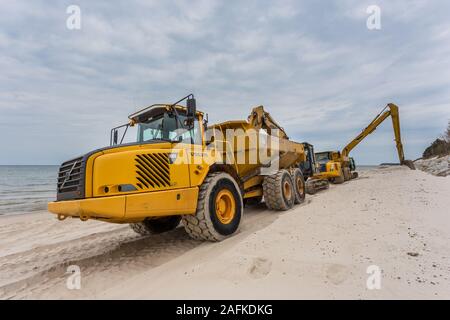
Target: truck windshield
x,y
322,157
166,127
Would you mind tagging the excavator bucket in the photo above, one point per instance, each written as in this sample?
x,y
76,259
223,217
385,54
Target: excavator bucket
x,y
409,164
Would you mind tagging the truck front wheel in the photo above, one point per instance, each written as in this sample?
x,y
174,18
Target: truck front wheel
x,y
219,209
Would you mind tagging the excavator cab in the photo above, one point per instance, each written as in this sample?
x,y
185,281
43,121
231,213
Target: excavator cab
x,y
308,167
310,170
352,164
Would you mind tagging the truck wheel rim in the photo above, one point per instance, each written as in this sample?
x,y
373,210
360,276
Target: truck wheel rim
x,y
225,206
287,190
299,185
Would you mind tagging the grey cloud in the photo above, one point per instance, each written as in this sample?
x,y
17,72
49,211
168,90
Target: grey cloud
x,y
315,67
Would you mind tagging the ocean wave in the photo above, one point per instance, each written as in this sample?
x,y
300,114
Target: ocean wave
x,y
25,189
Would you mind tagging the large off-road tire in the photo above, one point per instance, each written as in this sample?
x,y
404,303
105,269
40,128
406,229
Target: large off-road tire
x,y
354,175
155,226
219,209
254,201
340,179
278,191
299,186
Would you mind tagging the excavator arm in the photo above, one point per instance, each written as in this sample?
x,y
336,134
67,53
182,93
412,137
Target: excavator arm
x,y
259,118
390,110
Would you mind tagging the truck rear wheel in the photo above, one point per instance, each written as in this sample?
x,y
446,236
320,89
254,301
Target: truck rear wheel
x,y
219,209
155,226
299,186
278,191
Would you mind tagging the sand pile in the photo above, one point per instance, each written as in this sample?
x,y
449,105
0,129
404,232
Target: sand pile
x,y
438,166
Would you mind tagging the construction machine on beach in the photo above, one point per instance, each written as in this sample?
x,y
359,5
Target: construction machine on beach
x,y
315,180
338,166
180,169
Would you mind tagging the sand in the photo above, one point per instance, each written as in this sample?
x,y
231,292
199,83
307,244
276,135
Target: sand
x,y
393,218
438,166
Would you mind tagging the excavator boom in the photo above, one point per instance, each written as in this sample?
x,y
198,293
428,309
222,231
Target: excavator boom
x,y
390,110
259,118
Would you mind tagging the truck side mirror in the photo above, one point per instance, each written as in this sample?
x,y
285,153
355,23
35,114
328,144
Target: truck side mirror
x,y
191,107
210,140
116,137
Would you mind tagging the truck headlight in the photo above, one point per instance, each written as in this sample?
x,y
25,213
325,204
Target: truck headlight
x,y
173,157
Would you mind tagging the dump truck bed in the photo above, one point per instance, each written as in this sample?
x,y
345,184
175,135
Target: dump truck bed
x,y
247,143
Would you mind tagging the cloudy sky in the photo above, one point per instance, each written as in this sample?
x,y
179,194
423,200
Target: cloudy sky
x,y
314,65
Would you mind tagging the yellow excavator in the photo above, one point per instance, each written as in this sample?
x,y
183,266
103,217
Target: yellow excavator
x,y
338,167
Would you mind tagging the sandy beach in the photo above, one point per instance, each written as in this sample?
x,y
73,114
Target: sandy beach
x,y
392,217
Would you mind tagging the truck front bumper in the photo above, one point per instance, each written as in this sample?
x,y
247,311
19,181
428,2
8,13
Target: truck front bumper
x,y
328,174
129,208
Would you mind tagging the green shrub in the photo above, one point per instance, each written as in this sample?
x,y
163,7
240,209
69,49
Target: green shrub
x,y
439,147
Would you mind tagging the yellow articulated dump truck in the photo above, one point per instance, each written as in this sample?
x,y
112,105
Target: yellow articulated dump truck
x,y
180,169
338,166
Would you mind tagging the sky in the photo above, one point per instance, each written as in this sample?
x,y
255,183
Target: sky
x,y
314,65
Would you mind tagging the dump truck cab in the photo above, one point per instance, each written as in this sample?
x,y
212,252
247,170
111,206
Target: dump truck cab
x,y
118,183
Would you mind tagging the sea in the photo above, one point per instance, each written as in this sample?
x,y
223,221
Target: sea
x,y
26,189
365,167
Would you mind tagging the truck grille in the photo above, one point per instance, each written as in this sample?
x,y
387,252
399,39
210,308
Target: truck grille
x,y
71,180
152,170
